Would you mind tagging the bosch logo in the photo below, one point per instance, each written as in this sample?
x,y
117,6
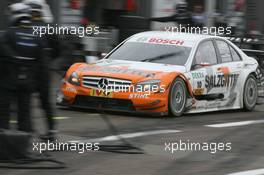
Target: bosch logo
x,y
166,41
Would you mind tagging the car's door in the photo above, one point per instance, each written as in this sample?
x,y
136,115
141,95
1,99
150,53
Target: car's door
x,y
203,73
228,70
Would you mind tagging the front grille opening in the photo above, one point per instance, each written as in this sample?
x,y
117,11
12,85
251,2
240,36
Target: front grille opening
x,y
104,103
93,81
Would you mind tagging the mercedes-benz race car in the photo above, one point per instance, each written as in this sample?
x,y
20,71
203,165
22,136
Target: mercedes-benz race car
x,y
165,73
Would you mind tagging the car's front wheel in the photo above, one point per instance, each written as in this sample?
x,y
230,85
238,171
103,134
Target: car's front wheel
x,y
250,95
177,97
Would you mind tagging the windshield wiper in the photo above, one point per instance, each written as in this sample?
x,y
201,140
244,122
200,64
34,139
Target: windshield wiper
x,y
161,56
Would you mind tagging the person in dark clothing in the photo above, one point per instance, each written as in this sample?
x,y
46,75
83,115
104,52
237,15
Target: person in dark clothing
x,y
198,16
182,16
24,53
52,46
4,93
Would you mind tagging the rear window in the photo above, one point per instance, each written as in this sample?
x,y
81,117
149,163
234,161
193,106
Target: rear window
x,y
224,51
235,55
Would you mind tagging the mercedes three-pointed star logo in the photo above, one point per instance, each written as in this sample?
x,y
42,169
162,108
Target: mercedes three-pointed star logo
x,y
103,84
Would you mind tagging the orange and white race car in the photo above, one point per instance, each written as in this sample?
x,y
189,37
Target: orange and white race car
x,y
165,73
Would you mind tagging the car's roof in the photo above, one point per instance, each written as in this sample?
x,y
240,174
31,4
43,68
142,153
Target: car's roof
x,y
174,35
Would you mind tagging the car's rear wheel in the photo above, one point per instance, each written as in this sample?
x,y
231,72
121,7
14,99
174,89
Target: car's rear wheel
x,y
250,95
177,97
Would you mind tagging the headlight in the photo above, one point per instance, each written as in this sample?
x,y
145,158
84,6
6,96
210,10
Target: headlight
x,y
148,86
74,79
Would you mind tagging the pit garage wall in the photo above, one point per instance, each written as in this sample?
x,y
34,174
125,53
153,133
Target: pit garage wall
x,y
63,14
255,14
163,8
254,10
68,16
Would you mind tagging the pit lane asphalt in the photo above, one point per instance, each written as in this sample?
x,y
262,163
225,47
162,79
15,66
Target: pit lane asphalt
x,y
247,151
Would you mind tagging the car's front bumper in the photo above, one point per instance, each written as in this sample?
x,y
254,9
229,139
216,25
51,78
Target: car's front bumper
x,y
76,96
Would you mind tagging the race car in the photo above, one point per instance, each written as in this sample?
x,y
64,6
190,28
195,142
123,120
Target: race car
x,y
165,73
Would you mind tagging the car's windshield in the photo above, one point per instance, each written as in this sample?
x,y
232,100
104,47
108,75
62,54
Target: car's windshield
x,y
155,53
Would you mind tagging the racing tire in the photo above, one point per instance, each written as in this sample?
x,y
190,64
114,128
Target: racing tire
x,y
177,97
250,95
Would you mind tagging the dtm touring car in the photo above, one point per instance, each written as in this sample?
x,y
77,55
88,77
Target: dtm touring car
x,y
165,73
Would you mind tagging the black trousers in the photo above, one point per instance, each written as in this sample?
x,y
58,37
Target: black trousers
x,y
4,108
23,110
44,93
22,98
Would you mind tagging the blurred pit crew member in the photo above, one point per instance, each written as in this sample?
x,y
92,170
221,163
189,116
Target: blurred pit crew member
x,y
24,52
51,44
198,17
4,89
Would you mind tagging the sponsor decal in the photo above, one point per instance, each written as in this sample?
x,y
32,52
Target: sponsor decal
x,y
117,70
224,70
198,91
218,81
138,96
166,41
70,89
100,93
197,75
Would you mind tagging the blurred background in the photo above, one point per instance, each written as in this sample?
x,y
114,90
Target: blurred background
x,y
105,13
119,19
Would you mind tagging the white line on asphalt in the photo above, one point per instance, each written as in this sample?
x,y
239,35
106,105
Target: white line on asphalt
x,y
128,136
13,121
250,172
55,118
242,123
60,118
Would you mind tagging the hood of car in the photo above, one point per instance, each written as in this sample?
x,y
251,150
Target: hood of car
x,y
129,70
